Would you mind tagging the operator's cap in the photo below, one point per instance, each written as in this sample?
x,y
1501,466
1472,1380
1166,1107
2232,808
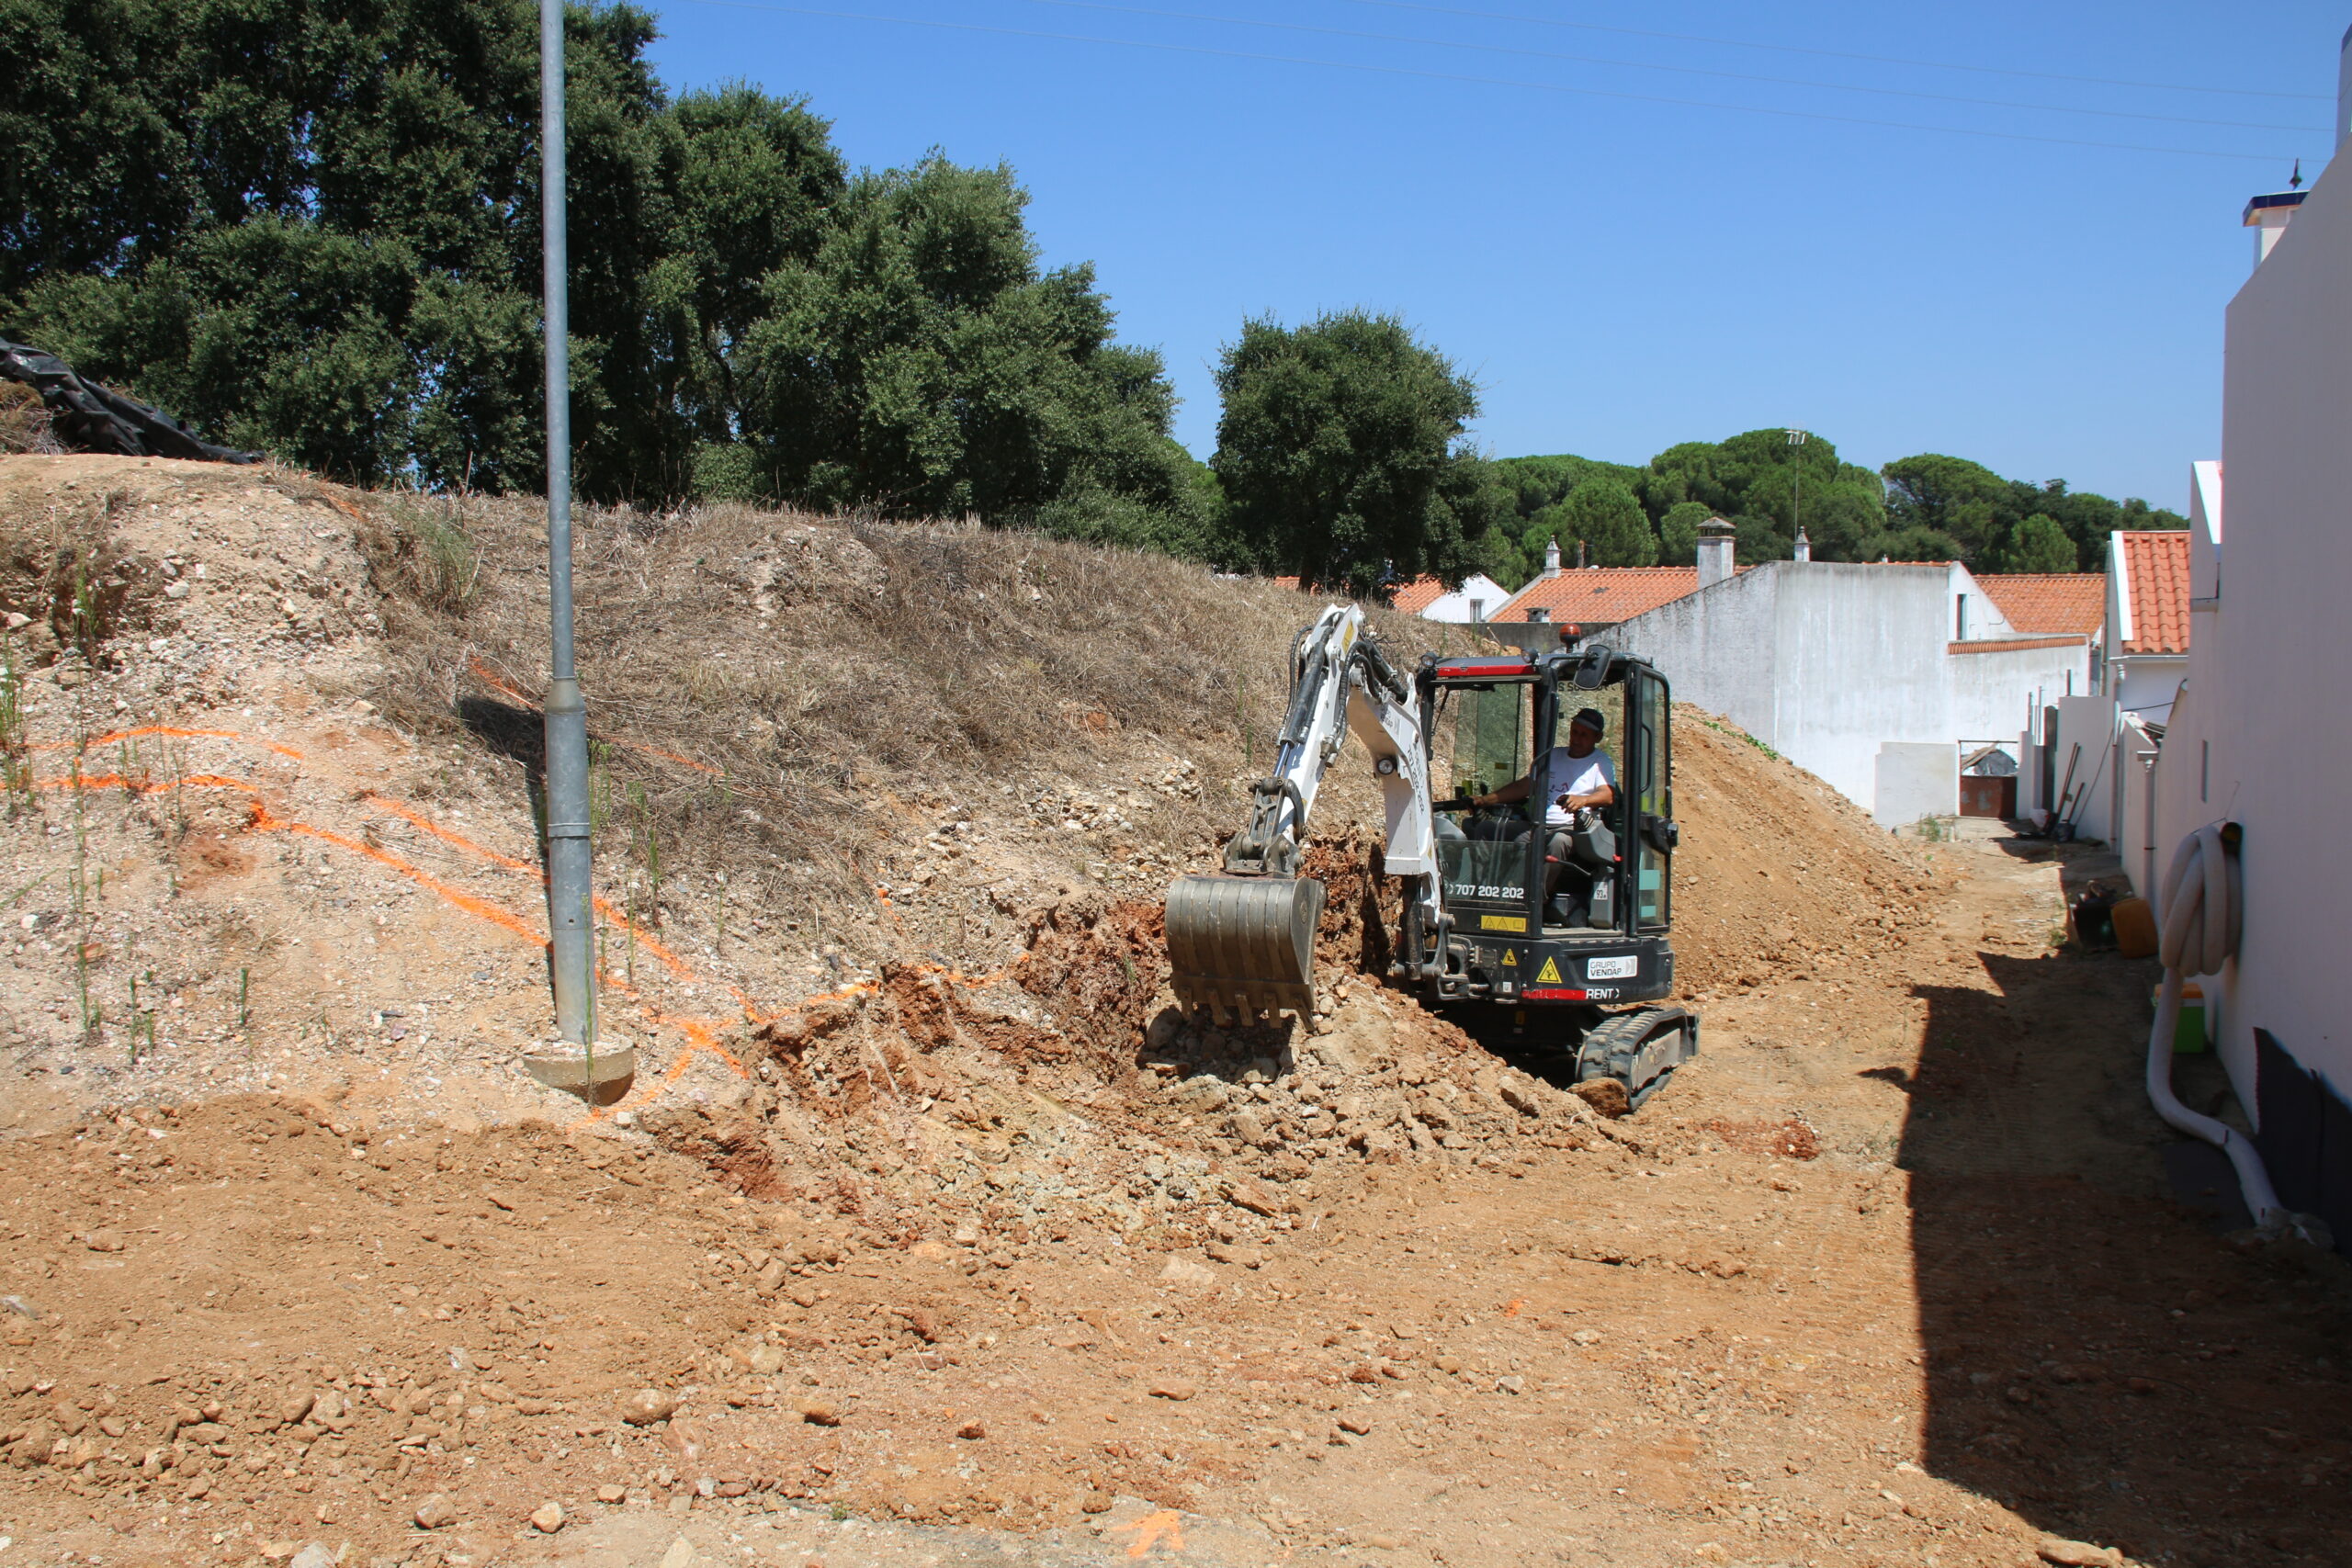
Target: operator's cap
x,y
1590,718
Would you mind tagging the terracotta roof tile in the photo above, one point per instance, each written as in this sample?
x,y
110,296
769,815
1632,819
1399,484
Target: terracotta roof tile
x,y
1603,593
2068,603
1414,597
2155,576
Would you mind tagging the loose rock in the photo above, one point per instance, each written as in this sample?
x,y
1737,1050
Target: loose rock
x,y
1187,1272
648,1405
436,1512
548,1518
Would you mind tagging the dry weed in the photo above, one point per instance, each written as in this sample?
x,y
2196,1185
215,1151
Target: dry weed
x,y
786,695
24,421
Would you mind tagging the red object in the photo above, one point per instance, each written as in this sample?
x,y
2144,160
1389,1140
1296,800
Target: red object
x,y
1447,672
1988,796
1552,994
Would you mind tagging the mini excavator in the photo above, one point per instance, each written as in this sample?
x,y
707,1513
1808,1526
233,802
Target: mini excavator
x,y
1584,963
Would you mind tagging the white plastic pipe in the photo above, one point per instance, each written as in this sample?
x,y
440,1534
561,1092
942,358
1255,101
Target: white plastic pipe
x,y
2204,895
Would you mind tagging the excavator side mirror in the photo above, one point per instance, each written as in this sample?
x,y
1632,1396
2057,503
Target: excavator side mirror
x,y
1593,671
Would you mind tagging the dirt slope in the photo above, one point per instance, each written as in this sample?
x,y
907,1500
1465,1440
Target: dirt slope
x,y
883,816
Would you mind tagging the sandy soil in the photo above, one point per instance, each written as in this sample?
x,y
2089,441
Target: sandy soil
x,y
892,1260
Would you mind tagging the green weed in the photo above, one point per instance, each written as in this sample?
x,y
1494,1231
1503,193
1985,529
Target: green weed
x,y
16,751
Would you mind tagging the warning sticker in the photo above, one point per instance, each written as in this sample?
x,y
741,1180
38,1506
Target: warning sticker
x,y
1549,975
1511,955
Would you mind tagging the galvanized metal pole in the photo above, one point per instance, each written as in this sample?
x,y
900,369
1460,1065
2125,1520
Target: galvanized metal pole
x,y
570,918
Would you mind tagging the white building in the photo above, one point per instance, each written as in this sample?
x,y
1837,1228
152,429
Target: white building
x,y
2145,645
1478,597
1878,677
2258,737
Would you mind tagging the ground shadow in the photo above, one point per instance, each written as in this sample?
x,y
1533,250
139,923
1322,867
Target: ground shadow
x,y
515,733
2099,1357
519,735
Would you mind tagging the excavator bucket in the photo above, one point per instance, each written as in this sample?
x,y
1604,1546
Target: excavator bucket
x,y
1243,945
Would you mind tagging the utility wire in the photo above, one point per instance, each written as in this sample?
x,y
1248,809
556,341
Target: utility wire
x,y
1835,53
1677,69
1480,81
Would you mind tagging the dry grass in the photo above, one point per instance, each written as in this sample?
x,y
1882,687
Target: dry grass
x,y
24,421
781,697
421,548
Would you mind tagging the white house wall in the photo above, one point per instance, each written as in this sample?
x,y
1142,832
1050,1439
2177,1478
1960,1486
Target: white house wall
x,y
1861,662
2260,736
2148,684
1478,597
1994,692
1716,648
2086,728
1825,662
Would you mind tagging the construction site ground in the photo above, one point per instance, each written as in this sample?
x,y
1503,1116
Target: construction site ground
x,y
933,1236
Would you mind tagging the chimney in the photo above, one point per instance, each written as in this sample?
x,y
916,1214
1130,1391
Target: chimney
x,y
1714,551
2269,215
1551,560
1580,555
1804,546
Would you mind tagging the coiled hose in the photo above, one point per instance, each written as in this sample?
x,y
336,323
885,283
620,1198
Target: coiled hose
x,y
2203,899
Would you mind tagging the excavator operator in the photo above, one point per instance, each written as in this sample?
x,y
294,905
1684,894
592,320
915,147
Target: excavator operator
x,y
1576,778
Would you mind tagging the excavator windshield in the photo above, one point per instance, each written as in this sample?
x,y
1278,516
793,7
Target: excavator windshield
x,y
1499,733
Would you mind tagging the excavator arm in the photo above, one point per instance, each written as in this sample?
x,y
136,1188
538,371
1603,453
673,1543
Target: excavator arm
x,y
1241,942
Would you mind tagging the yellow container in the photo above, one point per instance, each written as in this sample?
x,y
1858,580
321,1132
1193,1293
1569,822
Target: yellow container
x,y
2135,928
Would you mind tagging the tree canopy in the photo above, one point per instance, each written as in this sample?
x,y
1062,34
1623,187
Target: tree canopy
x,y
1602,515
1928,507
1996,524
313,229
1341,454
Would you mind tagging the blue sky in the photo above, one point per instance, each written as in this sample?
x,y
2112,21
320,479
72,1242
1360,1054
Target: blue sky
x,y
1617,272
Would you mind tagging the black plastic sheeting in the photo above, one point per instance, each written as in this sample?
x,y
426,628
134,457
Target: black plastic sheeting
x,y
86,417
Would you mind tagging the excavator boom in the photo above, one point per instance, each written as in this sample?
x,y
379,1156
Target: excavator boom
x,y
1241,940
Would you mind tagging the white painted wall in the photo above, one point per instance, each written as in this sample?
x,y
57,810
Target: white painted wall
x,y
1827,661
2204,536
2265,694
1859,662
2086,745
1914,780
1716,648
2146,683
1478,597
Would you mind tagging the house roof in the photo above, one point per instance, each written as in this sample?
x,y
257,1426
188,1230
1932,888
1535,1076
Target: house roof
x,y
1607,594
2155,588
1414,597
2070,604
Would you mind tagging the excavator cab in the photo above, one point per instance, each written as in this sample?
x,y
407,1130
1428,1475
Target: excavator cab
x,y
1597,939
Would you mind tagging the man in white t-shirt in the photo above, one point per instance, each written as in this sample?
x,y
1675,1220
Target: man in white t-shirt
x,y
1573,777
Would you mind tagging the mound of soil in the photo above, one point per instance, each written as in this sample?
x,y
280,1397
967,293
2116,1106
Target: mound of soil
x,y
925,1204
